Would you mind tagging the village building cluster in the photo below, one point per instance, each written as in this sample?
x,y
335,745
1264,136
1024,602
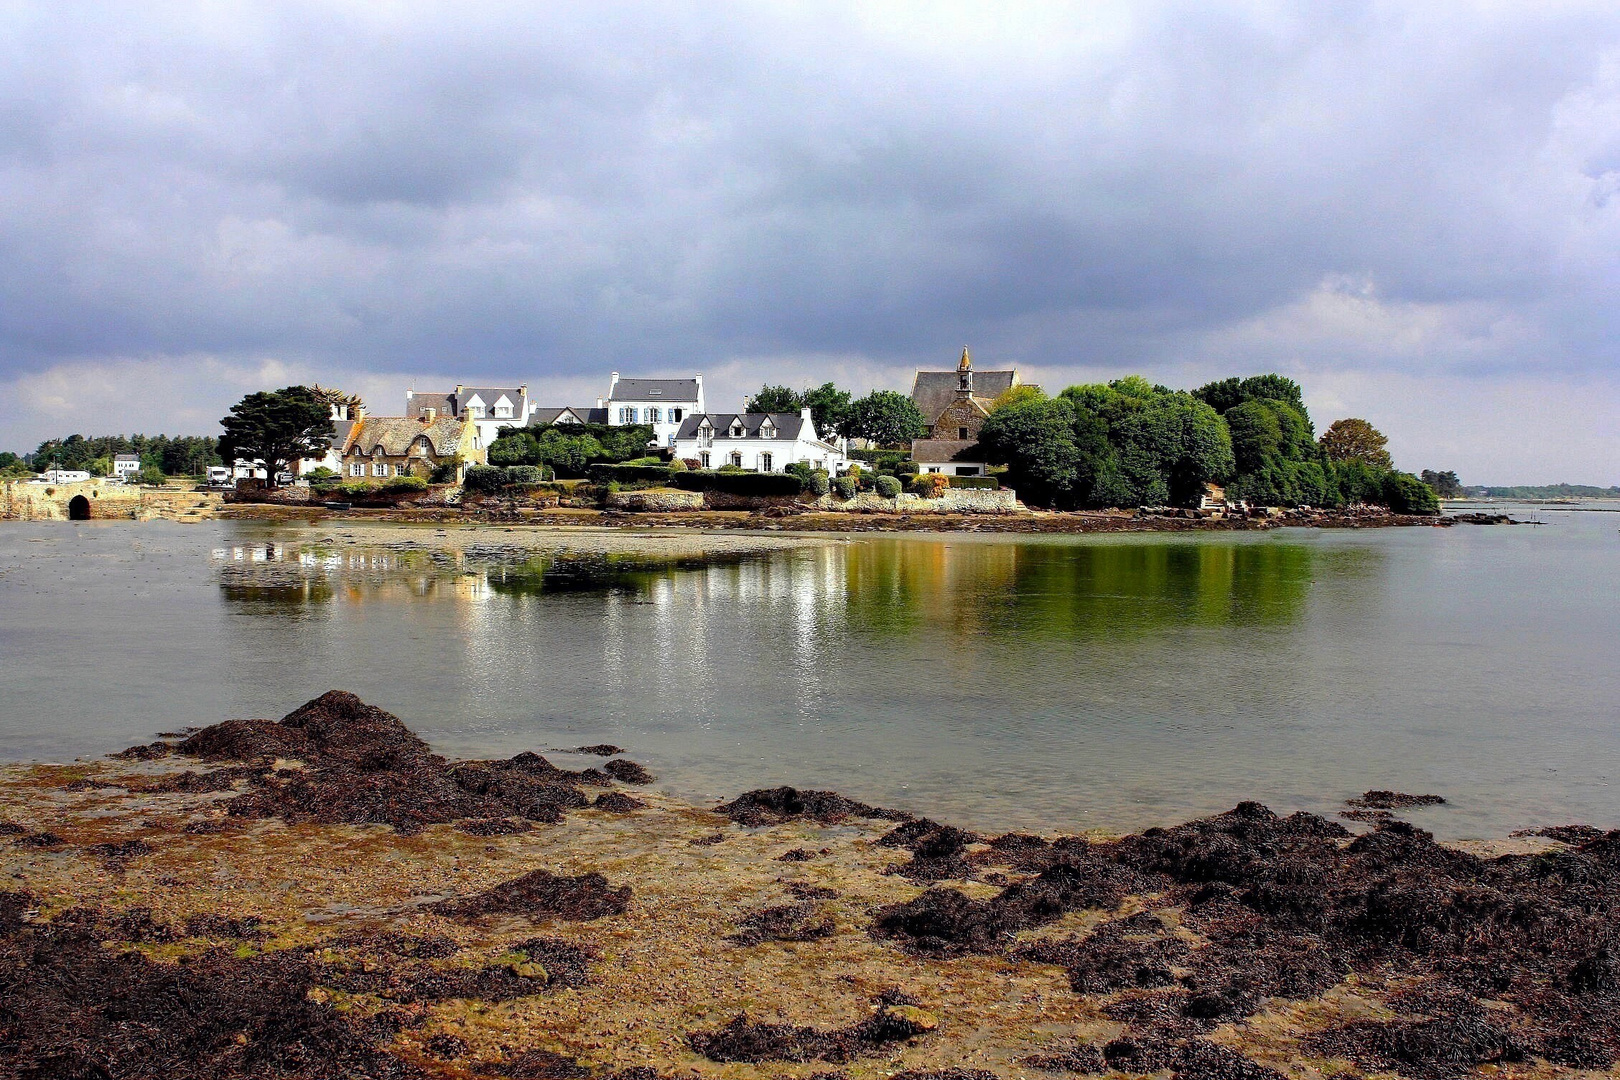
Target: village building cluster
x,y
459,426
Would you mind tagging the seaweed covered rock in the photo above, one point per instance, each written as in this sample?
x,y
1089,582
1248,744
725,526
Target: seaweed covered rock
x,y
364,766
541,894
773,806
748,1040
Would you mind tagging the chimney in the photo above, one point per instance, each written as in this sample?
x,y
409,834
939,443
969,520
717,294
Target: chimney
x,y
429,415
699,381
613,380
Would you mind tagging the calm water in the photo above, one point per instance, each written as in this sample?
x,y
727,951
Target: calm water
x,y
1060,683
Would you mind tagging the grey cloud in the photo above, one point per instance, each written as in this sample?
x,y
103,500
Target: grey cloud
x,y
543,192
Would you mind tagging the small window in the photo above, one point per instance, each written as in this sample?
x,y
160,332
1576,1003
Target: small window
x,y
379,469
736,459
476,411
765,463
967,470
736,429
503,410
703,459
675,415
357,469
652,415
962,433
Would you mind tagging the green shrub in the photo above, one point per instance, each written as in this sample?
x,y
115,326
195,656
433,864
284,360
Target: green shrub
x,y
988,483
405,483
357,489
733,469
880,460
524,474
484,478
928,485
445,471
801,469
150,476
318,475
887,486
906,468
846,486
739,483
678,465
1406,494
647,461
819,483
629,475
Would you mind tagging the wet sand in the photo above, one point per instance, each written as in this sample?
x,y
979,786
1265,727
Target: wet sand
x,y
348,906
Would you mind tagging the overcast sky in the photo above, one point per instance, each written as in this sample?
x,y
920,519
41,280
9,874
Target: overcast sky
x,y
1409,208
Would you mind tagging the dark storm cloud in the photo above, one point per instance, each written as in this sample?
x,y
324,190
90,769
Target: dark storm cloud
x,y
534,191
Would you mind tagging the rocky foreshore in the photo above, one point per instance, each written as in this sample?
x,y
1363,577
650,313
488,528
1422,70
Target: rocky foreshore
x,y
323,896
796,519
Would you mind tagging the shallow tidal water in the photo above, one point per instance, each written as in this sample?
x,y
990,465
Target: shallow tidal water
x,y
1050,683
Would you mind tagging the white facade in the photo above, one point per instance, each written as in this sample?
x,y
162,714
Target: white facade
x,y
758,442
126,465
504,409
63,476
662,403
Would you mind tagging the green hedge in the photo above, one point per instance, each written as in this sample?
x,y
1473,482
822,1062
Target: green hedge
x,y
642,475
988,483
739,483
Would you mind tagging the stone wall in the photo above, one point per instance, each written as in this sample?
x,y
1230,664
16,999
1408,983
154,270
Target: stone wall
x,y
952,501
104,499
658,500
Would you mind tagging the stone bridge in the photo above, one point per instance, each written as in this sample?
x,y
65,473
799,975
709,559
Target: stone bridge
x,y
102,499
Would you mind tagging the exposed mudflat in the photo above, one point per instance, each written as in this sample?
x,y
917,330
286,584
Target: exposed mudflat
x,y
323,896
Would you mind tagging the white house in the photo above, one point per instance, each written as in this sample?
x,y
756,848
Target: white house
x,y
63,476
488,408
761,442
666,404
126,465
953,457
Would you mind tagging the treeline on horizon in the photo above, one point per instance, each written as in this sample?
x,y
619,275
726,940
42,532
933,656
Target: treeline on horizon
x,y
1131,442
1545,491
172,455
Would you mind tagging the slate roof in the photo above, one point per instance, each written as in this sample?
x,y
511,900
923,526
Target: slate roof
x,y
941,451
593,415
655,389
788,425
394,435
444,401
933,391
490,395
126,457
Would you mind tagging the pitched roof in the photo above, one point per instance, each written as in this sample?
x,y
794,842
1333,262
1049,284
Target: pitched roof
x,y
651,389
395,434
933,391
489,395
940,451
126,457
542,417
442,401
788,425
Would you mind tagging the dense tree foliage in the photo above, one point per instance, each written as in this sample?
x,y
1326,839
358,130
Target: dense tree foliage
x,y
569,448
886,418
175,455
1126,443
277,428
1016,395
1445,484
1132,443
829,406
1353,439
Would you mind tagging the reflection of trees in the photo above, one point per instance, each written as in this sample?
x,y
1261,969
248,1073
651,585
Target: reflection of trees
x,y
1074,589
299,594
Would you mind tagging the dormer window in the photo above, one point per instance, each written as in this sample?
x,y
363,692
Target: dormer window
x,y
767,430
736,429
503,407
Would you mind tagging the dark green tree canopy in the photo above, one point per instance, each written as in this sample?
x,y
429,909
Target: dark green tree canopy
x,y
829,409
277,428
1224,394
886,418
777,399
